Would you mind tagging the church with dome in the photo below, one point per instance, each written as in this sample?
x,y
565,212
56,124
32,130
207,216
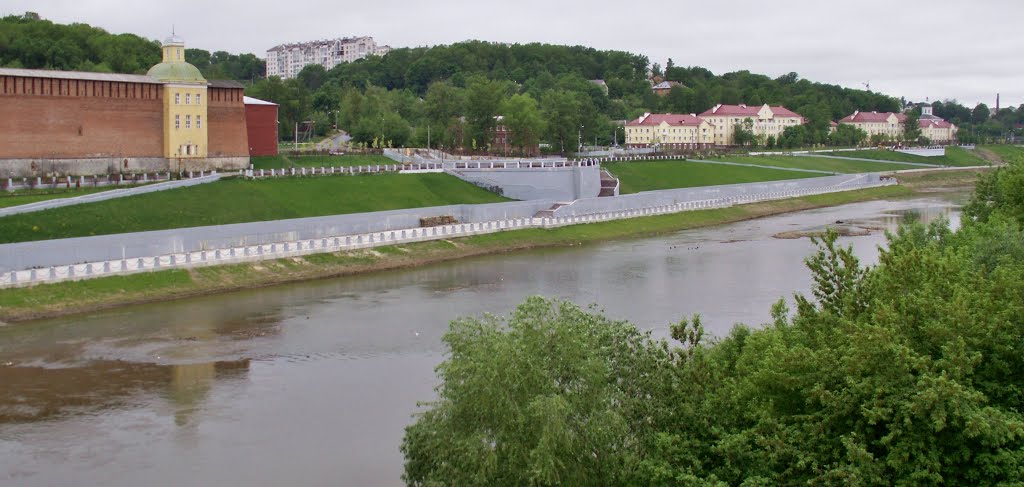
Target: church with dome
x,y
59,123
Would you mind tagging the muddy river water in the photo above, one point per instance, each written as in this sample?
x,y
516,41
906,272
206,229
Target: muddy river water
x,y
313,383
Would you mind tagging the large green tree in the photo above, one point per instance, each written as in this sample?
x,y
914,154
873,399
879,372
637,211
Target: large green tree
x,y
524,121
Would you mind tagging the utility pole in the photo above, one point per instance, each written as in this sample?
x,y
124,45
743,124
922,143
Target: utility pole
x,y
579,140
296,136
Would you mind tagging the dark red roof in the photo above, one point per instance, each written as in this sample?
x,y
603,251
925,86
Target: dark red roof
x,y
939,124
747,111
872,117
669,118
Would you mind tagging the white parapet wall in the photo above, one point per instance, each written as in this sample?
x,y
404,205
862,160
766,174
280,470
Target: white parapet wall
x,y
342,243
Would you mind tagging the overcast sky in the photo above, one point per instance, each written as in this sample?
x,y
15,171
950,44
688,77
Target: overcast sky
x,y
940,49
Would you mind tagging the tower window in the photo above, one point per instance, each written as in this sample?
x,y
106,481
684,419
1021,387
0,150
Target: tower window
x,y
199,121
188,121
199,98
188,99
177,98
179,54
177,121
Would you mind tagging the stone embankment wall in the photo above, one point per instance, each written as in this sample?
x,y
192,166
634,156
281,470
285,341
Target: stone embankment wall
x,y
26,264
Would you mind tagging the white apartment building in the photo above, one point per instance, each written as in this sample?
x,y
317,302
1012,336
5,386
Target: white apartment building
x,y
287,60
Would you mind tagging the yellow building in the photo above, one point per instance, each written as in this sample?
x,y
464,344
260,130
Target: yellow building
x,y
185,101
670,131
938,131
765,121
888,124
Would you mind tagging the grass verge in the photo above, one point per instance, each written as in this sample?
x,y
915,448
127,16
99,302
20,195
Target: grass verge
x,y
955,156
26,196
819,163
48,300
648,176
239,201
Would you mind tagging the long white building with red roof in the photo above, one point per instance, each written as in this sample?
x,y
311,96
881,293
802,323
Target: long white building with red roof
x,y
765,121
716,126
891,125
669,130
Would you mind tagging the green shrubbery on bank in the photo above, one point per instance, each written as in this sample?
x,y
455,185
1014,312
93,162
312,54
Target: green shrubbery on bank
x,y
909,372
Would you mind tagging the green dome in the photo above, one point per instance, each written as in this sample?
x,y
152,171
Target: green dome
x,y
176,71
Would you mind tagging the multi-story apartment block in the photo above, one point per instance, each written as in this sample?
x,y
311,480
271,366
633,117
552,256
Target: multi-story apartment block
x,y
766,121
887,124
670,131
287,60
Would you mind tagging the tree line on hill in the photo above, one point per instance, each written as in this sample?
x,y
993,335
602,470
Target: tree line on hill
x,y
905,373
451,95
27,41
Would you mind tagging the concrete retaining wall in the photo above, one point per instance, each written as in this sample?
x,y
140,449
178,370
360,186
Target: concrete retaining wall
x,y
565,183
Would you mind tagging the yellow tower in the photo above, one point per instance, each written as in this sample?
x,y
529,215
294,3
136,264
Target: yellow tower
x,y
185,101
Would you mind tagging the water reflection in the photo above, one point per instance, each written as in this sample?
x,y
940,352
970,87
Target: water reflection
x,y
33,394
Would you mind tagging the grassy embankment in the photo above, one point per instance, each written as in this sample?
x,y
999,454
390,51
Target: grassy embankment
x,y
239,201
955,156
819,163
285,161
654,175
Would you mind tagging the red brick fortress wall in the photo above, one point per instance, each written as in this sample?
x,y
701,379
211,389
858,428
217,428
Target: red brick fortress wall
x,y
261,124
68,118
226,130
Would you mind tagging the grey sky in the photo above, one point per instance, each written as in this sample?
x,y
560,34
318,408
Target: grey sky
x,y
940,49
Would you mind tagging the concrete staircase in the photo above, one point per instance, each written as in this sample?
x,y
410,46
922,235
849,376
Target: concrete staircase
x,y
550,212
609,184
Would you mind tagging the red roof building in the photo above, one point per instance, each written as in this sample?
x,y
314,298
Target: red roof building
x,y
669,130
766,121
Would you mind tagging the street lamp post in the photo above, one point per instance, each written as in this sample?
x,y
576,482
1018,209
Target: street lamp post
x,y
579,140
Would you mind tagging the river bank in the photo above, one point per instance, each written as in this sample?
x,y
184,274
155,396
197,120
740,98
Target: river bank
x,y
50,300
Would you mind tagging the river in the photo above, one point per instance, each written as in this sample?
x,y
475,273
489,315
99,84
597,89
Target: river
x,y
313,383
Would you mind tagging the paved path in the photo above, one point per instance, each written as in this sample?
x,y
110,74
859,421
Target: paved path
x,y
921,164
106,195
726,163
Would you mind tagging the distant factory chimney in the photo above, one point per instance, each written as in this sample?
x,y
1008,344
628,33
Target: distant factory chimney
x,y
997,102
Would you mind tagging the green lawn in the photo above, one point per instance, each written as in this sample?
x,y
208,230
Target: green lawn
x,y
818,163
286,161
647,176
1006,152
238,201
24,197
955,156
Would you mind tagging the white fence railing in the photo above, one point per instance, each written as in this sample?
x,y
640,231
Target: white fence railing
x,y
249,253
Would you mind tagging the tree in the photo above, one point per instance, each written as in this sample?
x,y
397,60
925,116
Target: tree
x,y
552,395
793,137
743,132
912,127
483,100
980,114
524,122
561,110
846,135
